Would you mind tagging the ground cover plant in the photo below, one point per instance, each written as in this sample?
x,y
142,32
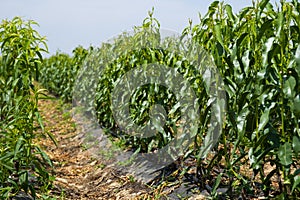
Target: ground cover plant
x,y
22,163
256,51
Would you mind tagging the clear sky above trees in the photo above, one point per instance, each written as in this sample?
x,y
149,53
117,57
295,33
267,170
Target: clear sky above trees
x,y
70,23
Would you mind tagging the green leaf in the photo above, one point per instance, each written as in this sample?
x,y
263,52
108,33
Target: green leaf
x,y
266,26
296,144
289,87
264,119
296,105
18,146
52,137
285,154
241,122
218,33
175,108
15,82
296,182
44,155
280,23
246,61
267,47
213,6
217,183
297,55
262,4
39,118
229,12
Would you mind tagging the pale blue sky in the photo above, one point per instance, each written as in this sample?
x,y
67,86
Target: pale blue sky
x,y
69,23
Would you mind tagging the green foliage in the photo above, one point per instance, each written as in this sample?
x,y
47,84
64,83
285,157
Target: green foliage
x,y
21,161
58,72
257,53
135,51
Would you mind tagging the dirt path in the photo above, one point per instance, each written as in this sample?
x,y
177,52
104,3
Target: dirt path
x,y
78,175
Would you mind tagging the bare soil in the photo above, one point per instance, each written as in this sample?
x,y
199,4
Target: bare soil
x,y
77,174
